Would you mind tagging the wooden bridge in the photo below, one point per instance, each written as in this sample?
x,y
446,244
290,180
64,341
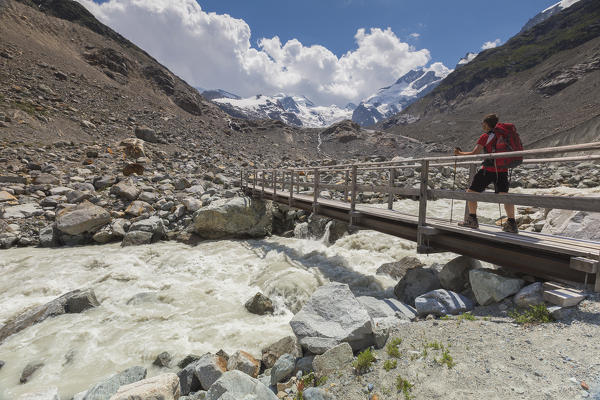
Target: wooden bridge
x,y
541,255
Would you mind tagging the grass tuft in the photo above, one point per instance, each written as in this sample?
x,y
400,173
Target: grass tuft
x,y
363,361
389,365
392,347
405,387
534,315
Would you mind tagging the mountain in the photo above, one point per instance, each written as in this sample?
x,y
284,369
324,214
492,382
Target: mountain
x,y
466,59
392,99
545,80
293,110
547,13
218,94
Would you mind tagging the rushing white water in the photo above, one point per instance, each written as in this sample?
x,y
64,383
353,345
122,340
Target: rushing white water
x,y
194,301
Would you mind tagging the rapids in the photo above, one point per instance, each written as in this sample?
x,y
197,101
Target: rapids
x,y
176,298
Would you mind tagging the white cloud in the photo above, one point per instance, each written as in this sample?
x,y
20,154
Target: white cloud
x,y
491,45
415,35
214,51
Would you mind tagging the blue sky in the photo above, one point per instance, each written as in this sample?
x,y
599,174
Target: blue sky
x,y
331,51
447,28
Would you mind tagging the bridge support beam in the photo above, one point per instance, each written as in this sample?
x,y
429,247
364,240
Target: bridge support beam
x,y
422,220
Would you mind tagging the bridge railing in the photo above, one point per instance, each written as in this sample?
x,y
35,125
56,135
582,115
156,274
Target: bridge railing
x,y
289,180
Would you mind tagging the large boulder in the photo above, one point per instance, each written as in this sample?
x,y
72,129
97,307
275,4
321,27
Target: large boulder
x,y
333,359
397,269
145,231
163,387
104,390
235,385
126,189
260,304
490,287
575,224
244,362
85,217
209,368
415,282
454,275
240,217
72,302
271,353
387,313
146,134
283,369
331,316
442,302
530,295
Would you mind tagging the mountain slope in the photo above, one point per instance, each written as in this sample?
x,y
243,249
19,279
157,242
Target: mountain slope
x,y
545,80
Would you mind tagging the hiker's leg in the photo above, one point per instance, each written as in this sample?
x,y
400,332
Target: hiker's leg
x,y
510,208
472,204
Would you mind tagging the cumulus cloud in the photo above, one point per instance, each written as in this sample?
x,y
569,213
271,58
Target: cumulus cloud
x,y
214,51
491,45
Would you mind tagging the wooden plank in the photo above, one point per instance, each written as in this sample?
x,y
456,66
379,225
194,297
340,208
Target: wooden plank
x,y
561,295
591,204
584,264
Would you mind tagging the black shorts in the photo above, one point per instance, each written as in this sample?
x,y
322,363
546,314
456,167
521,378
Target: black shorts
x,y
483,179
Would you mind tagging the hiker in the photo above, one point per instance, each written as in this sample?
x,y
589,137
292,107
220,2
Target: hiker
x,y
490,172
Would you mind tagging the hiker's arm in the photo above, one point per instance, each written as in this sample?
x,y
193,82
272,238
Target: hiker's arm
x,y
478,148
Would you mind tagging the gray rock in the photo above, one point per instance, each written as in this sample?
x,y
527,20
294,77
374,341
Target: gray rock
x,y
13,179
137,238
530,295
188,381
442,302
240,217
106,389
575,224
333,359
125,189
397,269
45,179
85,217
563,314
283,369
187,360
387,308
259,304
271,353
489,287
145,231
104,182
7,240
71,302
235,385
454,275
146,134
163,360
209,368
22,211
333,315
191,204
160,387
29,370
305,364
314,393
41,394
244,362
415,282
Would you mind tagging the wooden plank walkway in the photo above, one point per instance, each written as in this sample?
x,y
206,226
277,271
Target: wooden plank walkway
x,y
552,251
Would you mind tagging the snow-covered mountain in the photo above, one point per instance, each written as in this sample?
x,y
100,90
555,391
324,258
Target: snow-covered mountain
x,y
393,99
218,94
547,13
293,110
466,59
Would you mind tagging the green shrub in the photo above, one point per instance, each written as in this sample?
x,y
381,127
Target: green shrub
x,y
392,347
390,364
534,315
363,361
405,387
466,316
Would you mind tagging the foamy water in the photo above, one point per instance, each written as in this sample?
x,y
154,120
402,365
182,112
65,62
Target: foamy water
x,y
194,301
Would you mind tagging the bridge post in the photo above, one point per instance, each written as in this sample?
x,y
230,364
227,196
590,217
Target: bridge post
x,y
316,191
472,172
274,184
242,178
391,186
346,179
291,198
421,247
353,195
254,178
262,192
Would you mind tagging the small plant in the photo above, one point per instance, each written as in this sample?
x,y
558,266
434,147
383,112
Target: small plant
x,y
405,387
445,317
363,361
447,359
392,347
466,316
320,381
434,345
534,315
390,364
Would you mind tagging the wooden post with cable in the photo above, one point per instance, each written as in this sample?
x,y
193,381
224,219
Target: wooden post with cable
x,y
291,199
422,219
472,172
391,186
316,192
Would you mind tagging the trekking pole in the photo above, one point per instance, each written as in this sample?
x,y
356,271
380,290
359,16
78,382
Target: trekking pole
x,y
453,188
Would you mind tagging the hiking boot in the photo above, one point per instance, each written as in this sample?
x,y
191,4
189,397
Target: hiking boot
x,y
470,222
511,226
